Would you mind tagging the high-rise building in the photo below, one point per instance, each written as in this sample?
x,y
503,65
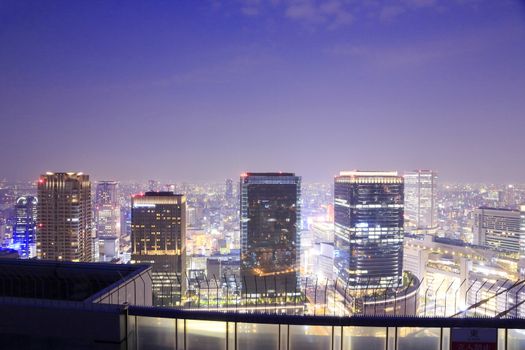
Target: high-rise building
x,y
64,217
368,208
107,193
158,237
270,233
229,189
420,201
498,229
107,209
24,229
107,219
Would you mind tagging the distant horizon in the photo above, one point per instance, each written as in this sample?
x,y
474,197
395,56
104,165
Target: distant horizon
x,y
237,178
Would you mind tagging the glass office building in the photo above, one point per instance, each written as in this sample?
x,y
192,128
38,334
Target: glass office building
x,y
107,209
107,220
420,201
270,233
368,209
158,237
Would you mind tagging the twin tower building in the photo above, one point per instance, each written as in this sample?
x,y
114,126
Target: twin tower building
x,y
368,237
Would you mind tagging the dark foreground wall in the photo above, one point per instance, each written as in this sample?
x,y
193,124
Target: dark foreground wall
x,y
61,325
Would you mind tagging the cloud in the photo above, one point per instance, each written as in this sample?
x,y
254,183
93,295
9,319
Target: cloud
x,y
304,11
421,53
331,14
251,7
348,50
396,57
393,10
240,62
334,14
420,3
340,15
390,12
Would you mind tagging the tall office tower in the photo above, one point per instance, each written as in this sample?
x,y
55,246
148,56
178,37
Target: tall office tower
x,y
158,237
498,229
270,233
420,201
107,209
24,229
107,219
107,193
64,217
368,210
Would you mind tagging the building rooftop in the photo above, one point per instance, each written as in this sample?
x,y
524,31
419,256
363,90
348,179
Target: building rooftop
x,y
268,174
367,173
499,209
161,194
66,281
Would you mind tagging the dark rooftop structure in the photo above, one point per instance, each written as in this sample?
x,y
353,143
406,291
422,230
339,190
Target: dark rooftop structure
x,y
67,281
270,174
65,305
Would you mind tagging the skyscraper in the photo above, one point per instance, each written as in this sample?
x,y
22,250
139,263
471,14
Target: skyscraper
x,y
107,193
107,209
24,230
270,233
107,219
64,217
158,237
368,207
420,201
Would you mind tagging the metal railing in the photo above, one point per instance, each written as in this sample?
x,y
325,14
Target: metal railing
x,y
324,297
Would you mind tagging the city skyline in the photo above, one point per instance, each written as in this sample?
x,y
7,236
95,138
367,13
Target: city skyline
x,y
203,92
262,174
170,181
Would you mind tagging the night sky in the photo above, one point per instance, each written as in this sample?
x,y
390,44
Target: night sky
x,y
204,90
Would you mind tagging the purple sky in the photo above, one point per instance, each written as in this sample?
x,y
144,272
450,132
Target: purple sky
x,y
203,90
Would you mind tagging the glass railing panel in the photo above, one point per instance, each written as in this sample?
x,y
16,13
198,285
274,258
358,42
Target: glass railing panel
x,y
155,333
257,336
231,335
370,338
515,339
501,338
391,338
132,336
283,336
446,339
338,337
310,337
180,333
205,335
414,338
